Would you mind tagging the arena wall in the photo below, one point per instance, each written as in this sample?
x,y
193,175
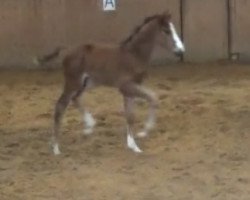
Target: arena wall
x,y
34,27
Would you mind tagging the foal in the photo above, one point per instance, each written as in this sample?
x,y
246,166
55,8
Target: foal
x,y
122,67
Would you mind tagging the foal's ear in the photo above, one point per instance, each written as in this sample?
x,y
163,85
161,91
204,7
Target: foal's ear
x,y
166,14
165,17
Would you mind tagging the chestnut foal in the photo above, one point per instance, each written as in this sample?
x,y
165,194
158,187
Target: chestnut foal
x,y
122,67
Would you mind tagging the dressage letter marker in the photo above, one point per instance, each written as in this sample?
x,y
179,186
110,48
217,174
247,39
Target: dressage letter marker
x,y
109,5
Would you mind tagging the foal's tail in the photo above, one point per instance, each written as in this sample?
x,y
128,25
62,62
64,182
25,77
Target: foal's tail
x,y
41,60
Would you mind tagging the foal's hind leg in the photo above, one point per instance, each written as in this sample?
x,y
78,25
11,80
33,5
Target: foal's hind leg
x,y
88,120
61,105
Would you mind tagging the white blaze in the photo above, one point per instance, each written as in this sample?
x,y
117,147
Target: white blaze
x,y
178,43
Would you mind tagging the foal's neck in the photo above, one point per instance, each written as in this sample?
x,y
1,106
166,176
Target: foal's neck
x,y
141,43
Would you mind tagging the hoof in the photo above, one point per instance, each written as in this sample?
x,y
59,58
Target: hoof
x,y
142,134
137,150
88,131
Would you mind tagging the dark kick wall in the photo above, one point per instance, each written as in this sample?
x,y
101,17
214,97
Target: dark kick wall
x,y
34,27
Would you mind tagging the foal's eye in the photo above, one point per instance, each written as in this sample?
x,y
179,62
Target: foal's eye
x,y
166,30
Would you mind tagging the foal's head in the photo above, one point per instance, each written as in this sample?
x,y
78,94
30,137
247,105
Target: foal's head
x,y
142,39
167,26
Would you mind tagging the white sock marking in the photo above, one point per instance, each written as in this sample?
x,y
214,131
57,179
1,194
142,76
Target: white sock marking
x,y
89,120
132,144
179,46
89,123
56,149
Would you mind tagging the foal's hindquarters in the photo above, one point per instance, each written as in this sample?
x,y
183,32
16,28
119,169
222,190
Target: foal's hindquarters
x,y
106,66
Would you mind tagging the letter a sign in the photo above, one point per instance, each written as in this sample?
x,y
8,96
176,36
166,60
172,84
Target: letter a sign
x,y
108,5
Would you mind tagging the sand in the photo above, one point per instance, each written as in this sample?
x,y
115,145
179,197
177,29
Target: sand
x,y
199,150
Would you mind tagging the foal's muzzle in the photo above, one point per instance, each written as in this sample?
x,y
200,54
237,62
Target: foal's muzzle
x,y
178,53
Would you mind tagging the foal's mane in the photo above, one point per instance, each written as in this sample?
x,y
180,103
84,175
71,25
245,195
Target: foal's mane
x,y
138,29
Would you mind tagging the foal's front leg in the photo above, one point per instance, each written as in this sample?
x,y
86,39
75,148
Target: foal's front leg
x,y
128,106
60,108
151,98
134,90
